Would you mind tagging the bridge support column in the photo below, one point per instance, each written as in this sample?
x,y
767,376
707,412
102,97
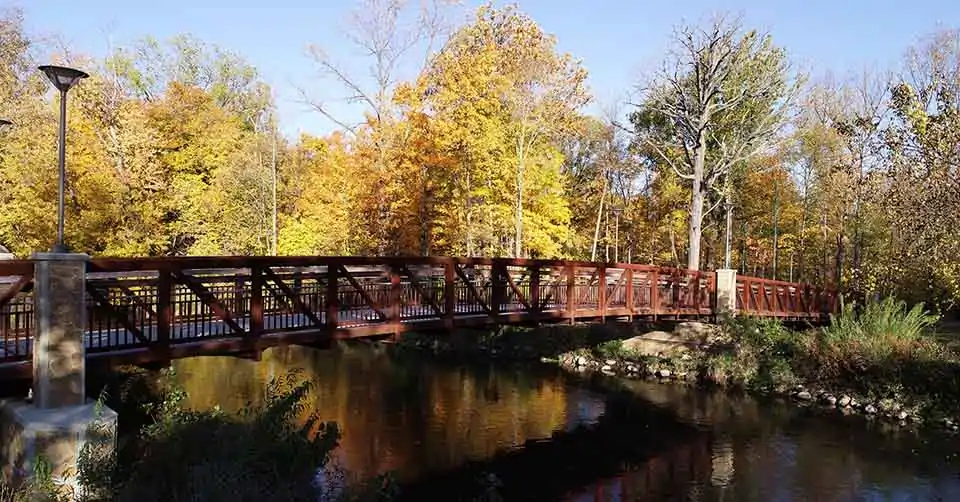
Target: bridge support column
x,y
60,420
726,290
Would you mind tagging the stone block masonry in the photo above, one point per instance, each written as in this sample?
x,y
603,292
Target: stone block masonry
x,y
726,290
29,434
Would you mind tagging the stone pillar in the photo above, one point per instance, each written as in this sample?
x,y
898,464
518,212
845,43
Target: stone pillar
x,y
60,420
726,290
59,305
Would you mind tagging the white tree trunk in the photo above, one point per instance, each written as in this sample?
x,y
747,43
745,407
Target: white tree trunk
x,y
696,205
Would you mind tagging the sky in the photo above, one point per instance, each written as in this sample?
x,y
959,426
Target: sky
x,y
619,41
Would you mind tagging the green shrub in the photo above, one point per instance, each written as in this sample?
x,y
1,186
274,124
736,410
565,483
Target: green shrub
x,y
762,355
885,321
40,487
613,349
884,344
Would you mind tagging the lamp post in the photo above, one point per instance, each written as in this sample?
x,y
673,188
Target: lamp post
x,y
616,233
63,79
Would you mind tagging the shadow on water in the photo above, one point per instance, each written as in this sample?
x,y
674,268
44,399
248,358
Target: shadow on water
x,y
626,436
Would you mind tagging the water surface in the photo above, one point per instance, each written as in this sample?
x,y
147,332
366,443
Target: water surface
x,y
438,426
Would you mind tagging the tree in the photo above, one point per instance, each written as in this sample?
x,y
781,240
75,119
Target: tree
x,y
499,99
923,179
720,100
379,29
547,92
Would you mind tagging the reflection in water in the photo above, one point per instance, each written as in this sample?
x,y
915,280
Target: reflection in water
x,y
410,418
416,417
722,465
768,451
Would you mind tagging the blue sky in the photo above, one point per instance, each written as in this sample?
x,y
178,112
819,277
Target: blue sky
x,y
618,40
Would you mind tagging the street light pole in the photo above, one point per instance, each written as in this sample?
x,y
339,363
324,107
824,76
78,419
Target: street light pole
x,y
60,247
63,79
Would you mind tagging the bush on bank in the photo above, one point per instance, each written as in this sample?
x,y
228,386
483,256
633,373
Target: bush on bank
x,y
886,354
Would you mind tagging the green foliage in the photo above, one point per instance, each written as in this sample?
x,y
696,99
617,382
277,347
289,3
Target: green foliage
x,y
760,357
884,323
884,344
886,351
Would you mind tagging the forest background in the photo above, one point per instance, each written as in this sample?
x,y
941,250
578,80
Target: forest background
x,y
725,155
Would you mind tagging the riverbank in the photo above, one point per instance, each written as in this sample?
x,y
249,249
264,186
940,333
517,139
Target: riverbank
x,y
884,363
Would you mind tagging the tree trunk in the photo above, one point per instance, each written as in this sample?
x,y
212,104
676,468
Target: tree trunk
x,y
743,248
803,240
518,237
696,206
776,228
469,220
606,236
274,169
857,234
425,222
840,257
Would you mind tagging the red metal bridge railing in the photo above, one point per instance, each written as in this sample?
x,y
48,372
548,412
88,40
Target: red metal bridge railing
x,y
160,303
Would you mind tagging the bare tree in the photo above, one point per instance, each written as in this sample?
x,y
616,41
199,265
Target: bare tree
x,y
379,30
720,100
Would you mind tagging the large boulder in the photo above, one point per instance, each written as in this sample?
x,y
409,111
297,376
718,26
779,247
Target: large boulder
x,y
696,332
685,336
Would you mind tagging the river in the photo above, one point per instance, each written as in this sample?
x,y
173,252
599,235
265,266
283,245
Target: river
x,y
438,427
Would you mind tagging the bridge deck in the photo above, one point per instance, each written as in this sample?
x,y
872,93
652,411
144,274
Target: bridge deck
x,y
152,309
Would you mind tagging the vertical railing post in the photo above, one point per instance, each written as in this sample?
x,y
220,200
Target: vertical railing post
x,y
298,282
571,293
655,293
498,295
628,280
675,290
602,291
256,302
535,306
238,302
165,311
332,299
449,294
396,303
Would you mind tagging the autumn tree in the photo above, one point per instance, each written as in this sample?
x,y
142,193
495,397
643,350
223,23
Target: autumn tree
x,y
389,34
500,98
546,93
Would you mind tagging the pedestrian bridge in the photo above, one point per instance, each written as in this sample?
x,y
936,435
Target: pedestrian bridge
x,y
153,309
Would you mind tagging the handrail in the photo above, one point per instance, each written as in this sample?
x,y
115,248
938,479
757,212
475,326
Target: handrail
x,y
159,304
